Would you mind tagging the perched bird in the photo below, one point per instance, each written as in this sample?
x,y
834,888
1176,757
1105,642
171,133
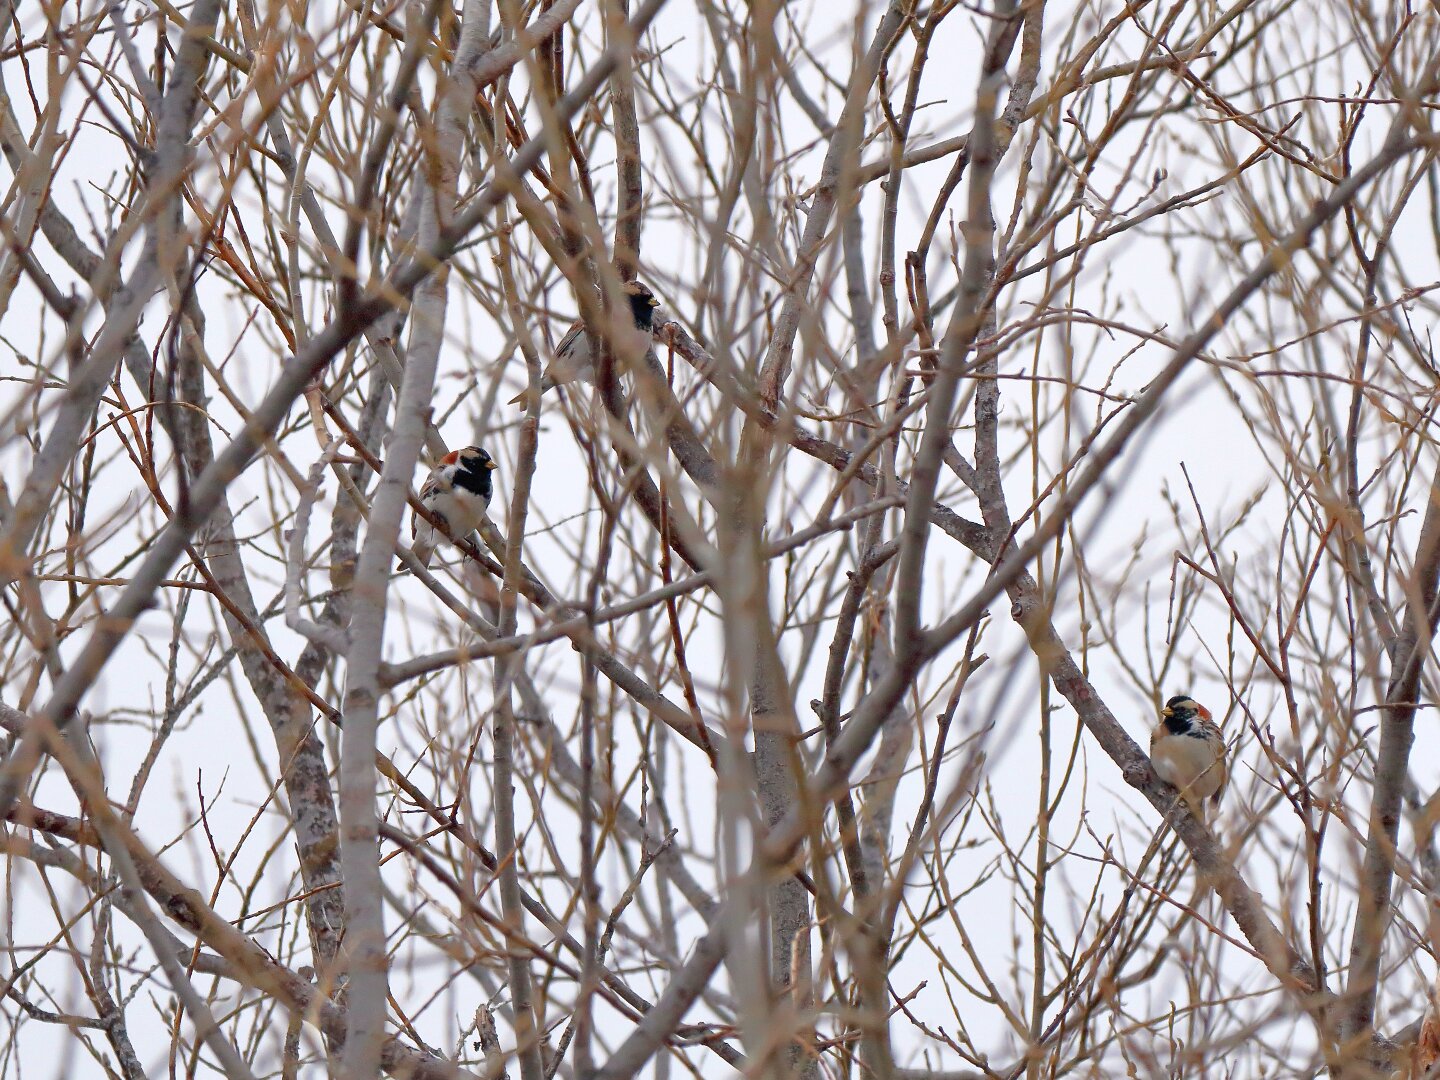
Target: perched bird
x,y
1188,751
572,356
457,491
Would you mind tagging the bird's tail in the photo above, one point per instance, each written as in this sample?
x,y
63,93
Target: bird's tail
x,y
422,550
523,397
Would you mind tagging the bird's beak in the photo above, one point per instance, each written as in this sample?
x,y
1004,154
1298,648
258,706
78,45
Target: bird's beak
x,y
654,301
492,464
1167,711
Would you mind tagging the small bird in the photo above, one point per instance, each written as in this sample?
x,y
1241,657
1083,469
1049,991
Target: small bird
x,y
457,491
572,356
1188,751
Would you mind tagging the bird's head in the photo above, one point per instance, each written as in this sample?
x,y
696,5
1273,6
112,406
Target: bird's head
x,y
471,459
642,304
1181,711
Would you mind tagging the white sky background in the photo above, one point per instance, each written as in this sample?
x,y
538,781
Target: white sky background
x,y
1211,425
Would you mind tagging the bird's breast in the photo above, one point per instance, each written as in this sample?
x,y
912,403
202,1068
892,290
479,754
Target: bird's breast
x,y
1181,760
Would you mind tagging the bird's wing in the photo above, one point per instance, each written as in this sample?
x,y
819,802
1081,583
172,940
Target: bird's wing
x,y
572,355
1224,768
1222,761
437,482
567,343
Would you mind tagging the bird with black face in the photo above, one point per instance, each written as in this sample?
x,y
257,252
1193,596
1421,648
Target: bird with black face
x,y
630,339
457,491
1188,751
